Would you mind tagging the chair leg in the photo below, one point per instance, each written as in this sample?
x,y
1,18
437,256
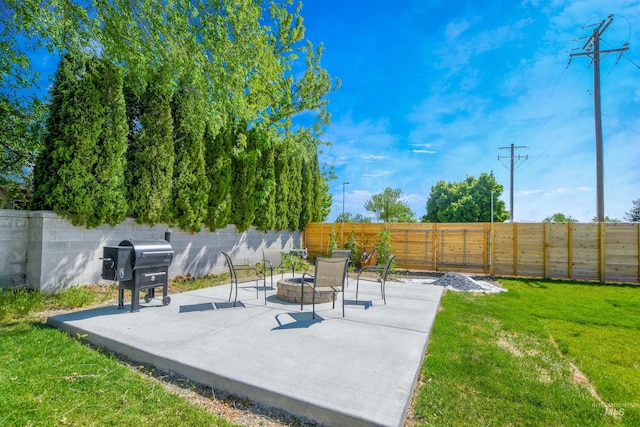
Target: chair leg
x,y
383,291
235,299
357,286
313,302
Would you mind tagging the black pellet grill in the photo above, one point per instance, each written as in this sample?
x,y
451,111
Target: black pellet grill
x,y
138,265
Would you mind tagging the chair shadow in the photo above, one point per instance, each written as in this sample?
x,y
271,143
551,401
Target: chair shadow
x,y
365,304
209,306
196,307
301,320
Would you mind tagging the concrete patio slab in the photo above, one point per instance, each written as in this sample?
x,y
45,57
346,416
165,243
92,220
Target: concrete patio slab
x,y
356,370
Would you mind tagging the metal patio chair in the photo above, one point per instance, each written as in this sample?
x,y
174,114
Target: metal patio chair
x,y
328,277
272,260
343,253
383,270
233,272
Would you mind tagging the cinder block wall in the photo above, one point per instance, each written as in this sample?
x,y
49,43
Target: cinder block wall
x,y
46,252
14,238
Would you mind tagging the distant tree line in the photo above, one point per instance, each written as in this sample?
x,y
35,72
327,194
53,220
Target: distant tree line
x,y
181,112
472,200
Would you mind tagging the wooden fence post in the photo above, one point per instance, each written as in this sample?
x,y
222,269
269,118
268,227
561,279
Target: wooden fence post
x,y
569,250
514,231
545,249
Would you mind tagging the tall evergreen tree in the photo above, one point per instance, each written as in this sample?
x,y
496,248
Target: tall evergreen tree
x,y
265,217
80,174
190,183
110,203
220,174
44,173
283,183
245,166
295,188
152,154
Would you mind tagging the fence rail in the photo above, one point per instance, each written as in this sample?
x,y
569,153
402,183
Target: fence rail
x,y
598,251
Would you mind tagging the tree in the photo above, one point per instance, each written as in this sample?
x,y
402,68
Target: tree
x,y
80,172
606,219
388,207
344,217
349,217
259,75
466,201
634,214
245,165
151,155
220,175
559,217
190,183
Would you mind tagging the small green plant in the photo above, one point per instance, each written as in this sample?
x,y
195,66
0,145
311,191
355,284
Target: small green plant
x,y
294,260
385,248
333,241
354,247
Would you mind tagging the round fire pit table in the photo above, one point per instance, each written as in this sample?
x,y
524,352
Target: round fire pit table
x,y
289,290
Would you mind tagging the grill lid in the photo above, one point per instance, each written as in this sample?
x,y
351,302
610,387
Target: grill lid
x,y
150,253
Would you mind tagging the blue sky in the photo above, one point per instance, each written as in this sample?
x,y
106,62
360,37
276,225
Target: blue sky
x,y
432,89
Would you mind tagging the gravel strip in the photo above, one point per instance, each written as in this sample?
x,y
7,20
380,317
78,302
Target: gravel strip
x,y
459,282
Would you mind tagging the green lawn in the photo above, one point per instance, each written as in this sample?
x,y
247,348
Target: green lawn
x,y
544,353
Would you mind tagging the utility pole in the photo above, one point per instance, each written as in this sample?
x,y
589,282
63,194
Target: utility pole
x,y
592,49
513,157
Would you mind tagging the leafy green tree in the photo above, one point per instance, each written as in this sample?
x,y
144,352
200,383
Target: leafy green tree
x,y
349,217
361,218
151,157
344,217
606,219
559,217
634,214
190,183
466,201
388,206
258,70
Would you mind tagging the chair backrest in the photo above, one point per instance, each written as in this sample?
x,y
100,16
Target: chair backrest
x,y
387,266
330,272
273,256
341,253
232,271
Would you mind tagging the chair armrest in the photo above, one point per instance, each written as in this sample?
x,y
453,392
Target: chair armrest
x,y
378,268
247,268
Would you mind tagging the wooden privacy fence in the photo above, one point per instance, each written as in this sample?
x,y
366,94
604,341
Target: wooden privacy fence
x,y
598,251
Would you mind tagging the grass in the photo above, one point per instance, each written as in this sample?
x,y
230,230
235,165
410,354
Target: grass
x,y
49,378
544,353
